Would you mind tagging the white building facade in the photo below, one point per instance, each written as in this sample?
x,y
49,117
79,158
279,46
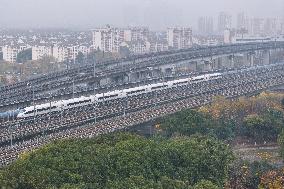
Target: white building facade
x,y
179,38
38,52
69,53
110,39
107,39
10,53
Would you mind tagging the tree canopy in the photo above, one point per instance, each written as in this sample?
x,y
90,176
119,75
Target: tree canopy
x,y
127,160
24,56
190,122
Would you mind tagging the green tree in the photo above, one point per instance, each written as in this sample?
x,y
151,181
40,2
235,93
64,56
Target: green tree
x,y
134,182
281,143
168,183
264,127
282,102
121,160
205,184
244,174
80,58
187,123
124,51
190,122
24,56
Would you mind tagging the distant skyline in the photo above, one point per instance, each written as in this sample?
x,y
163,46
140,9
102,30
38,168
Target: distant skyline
x,y
156,14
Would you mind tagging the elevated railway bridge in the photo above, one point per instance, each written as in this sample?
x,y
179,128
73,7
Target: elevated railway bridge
x,y
135,70
19,135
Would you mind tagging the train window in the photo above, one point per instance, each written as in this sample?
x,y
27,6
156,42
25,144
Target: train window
x,y
86,101
111,96
138,91
184,82
75,103
215,76
39,110
29,112
44,109
107,97
159,87
198,79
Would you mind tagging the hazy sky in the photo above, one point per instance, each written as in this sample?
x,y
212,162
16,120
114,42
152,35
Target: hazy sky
x,y
157,14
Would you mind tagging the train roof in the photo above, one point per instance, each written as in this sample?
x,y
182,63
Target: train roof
x,y
135,89
46,105
108,93
82,98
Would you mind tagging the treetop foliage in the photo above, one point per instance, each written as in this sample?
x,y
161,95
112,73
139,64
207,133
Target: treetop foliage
x,y
119,160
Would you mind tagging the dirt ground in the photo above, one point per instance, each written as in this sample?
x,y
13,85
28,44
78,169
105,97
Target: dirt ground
x,y
268,152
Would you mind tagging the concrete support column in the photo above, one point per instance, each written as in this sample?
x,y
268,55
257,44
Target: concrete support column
x,y
192,66
232,60
208,65
266,57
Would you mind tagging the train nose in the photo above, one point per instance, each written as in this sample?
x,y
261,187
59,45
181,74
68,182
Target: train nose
x,y
20,115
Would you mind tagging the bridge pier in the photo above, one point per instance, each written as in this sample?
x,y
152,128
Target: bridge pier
x,y
117,79
192,66
231,61
105,81
205,65
266,57
250,59
217,63
133,76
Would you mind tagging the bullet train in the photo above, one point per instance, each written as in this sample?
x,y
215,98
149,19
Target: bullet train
x,y
83,101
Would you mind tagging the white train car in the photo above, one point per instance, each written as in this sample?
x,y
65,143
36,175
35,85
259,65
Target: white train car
x,y
112,95
40,109
135,91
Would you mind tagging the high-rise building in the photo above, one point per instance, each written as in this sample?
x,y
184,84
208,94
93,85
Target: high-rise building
x,y
179,38
281,26
136,34
257,27
205,25
270,26
227,36
108,39
242,21
224,22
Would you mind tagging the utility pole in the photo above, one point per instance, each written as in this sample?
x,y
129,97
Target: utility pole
x,y
28,84
11,136
73,87
34,104
95,104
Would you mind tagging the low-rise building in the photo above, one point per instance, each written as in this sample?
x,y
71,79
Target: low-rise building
x,y
158,46
10,53
38,52
68,53
179,38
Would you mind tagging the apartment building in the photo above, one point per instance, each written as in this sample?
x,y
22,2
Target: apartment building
x,y
179,38
10,52
205,25
224,22
69,53
108,39
38,52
